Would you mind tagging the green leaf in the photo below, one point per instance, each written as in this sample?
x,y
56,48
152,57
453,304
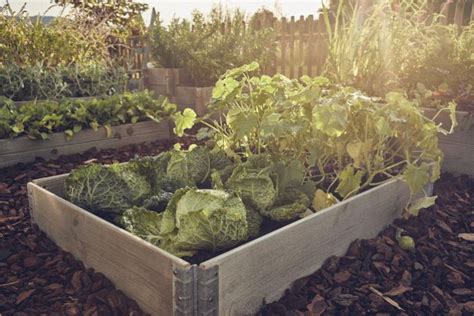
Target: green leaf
x,y
322,200
421,203
183,121
108,130
69,132
383,127
134,119
416,177
77,128
94,125
243,123
355,152
224,87
349,181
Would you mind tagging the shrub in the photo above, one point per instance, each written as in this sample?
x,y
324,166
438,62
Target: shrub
x,y
203,48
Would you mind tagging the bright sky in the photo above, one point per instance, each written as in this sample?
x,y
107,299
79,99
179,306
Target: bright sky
x,y
182,8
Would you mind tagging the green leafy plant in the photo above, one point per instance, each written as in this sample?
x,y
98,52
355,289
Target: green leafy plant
x,y
38,119
186,201
205,49
347,140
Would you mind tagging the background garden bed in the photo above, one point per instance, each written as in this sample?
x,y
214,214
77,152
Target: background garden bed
x,y
458,148
175,83
23,149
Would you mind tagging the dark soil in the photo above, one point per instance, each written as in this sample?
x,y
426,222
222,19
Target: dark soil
x,y
377,277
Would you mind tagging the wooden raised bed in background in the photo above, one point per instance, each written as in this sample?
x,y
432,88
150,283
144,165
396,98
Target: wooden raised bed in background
x,y
458,148
176,84
23,149
233,283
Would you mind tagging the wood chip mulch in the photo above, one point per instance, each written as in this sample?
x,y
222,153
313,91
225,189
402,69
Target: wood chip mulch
x,y
377,277
38,278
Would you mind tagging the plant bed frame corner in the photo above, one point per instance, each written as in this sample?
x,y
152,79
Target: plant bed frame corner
x,y
458,147
23,149
233,283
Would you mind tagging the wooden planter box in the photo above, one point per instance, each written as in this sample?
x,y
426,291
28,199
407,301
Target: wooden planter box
x,y
233,283
175,83
458,148
23,149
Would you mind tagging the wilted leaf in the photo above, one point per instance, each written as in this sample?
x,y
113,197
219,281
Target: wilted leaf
x,y
416,177
349,181
323,200
421,203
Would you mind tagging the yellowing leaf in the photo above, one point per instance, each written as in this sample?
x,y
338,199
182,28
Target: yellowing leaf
x,y
355,152
108,130
421,203
322,200
349,181
416,177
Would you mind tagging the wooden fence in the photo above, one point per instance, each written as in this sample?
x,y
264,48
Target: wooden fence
x,y
301,43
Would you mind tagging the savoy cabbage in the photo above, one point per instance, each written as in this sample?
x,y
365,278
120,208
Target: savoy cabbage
x,y
113,188
167,201
276,190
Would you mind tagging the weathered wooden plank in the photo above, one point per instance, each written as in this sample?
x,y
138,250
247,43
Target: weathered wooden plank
x,y
459,12
283,46
25,150
24,144
143,271
310,46
193,97
458,153
264,268
292,47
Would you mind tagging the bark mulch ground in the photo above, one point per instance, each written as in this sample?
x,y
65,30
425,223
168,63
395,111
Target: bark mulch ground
x,y
36,277
377,277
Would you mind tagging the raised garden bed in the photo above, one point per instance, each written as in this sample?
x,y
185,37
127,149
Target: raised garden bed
x,y
377,277
23,149
175,83
458,148
235,282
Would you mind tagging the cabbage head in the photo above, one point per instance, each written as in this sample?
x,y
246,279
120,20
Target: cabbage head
x,y
197,219
255,181
277,190
100,188
142,223
191,167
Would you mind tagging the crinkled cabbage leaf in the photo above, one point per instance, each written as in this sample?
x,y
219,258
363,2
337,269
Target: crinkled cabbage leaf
x,y
203,220
276,190
142,223
100,188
